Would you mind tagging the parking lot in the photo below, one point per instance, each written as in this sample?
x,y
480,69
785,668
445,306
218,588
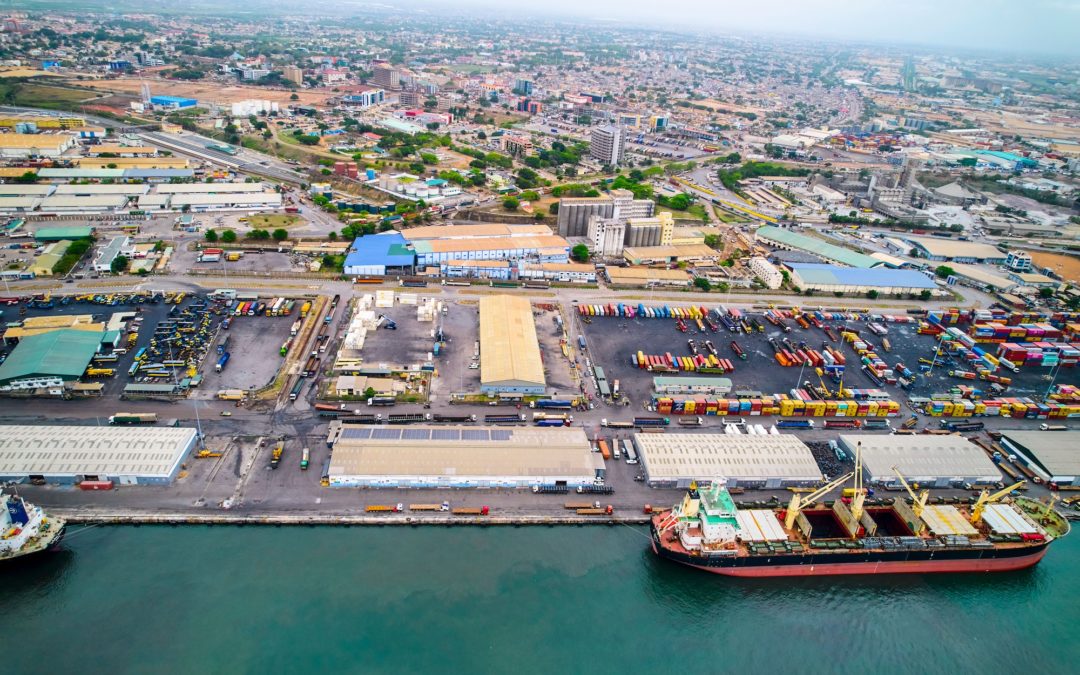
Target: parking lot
x,y
613,340
254,353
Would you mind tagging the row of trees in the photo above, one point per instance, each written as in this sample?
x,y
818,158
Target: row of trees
x,y
230,236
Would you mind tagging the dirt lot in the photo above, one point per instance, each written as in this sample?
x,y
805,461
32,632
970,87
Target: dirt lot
x,y
1065,265
209,91
254,344
612,341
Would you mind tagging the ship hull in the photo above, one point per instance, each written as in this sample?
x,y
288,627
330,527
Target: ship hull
x,y
962,561
38,550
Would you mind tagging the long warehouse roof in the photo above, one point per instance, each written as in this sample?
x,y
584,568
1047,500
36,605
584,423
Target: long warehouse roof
x,y
509,351
921,456
954,248
742,456
881,277
433,451
480,230
1057,453
92,450
209,188
818,247
424,246
61,353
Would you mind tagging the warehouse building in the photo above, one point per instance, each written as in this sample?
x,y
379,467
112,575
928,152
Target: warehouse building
x,y
461,457
67,455
774,461
380,254
540,248
91,204
927,459
209,188
95,189
837,279
647,276
778,237
73,233
954,250
173,102
1053,456
226,201
23,146
509,350
48,360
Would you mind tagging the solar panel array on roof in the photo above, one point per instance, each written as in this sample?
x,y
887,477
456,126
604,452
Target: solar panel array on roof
x,y
355,432
445,435
501,434
415,434
386,434
474,435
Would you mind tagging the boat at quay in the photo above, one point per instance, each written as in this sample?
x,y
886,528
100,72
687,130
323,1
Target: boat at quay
x,y
26,529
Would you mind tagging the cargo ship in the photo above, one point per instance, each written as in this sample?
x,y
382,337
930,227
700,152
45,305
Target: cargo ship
x,y
853,535
25,529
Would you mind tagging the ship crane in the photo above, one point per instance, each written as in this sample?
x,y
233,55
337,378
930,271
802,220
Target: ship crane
x,y
798,502
986,498
918,502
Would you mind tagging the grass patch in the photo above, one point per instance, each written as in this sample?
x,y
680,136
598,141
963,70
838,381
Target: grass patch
x,y
43,96
272,221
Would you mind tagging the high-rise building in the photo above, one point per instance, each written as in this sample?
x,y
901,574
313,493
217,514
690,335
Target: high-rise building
x,y
767,272
575,212
523,87
291,73
386,76
409,99
606,145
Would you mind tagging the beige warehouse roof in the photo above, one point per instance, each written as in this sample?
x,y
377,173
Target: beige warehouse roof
x,y
93,450
103,189
509,351
921,456
627,274
485,230
490,244
31,141
740,457
953,248
487,452
208,188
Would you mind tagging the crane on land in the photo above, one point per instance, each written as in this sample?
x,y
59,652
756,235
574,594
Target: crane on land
x,y
985,499
799,502
918,502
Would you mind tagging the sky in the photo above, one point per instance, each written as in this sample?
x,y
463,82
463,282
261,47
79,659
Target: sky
x,y
1038,26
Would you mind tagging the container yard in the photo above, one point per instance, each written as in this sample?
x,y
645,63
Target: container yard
x,y
819,363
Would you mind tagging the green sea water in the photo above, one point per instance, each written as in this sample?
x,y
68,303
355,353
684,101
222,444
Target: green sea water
x,y
498,600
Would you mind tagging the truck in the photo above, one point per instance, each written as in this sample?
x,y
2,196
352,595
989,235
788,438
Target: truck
x,y
471,511
552,416
304,309
602,446
223,345
558,404
230,395
305,459
552,422
454,419
876,423
962,426
842,424
275,455
133,418
222,360
384,508
692,422
296,389
407,418
504,419
581,341
1053,427
381,401
795,424
550,489
651,421
738,350
612,424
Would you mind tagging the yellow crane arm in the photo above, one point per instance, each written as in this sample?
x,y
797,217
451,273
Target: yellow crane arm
x,y
798,502
987,498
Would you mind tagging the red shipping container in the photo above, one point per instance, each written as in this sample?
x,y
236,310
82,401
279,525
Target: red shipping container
x,y
96,485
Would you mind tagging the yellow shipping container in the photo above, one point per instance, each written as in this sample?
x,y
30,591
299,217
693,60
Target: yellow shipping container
x,y
871,411
787,408
947,410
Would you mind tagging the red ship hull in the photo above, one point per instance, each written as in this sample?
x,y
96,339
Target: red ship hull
x,y
881,567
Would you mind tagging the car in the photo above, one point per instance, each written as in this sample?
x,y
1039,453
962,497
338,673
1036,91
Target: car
x,y
226,413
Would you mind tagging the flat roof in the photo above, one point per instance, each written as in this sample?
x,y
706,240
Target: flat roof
x,y
117,148
198,199
30,141
975,273
816,246
92,450
617,274
459,452
52,172
209,188
70,232
671,251
103,189
28,189
490,244
954,248
383,249
483,230
1056,453
922,456
90,202
19,202
661,381
883,277
509,349
63,353
716,455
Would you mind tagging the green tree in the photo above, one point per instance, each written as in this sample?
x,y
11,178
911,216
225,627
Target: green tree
x,y
703,283
872,294
712,240
1046,292
530,195
580,253
119,264
211,236
332,236
228,236
925,295
511,203
28,177
294,97
280,234
944,271
369,392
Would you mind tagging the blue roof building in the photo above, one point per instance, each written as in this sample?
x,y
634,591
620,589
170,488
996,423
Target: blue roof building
x,y
838,279
173,102
375,254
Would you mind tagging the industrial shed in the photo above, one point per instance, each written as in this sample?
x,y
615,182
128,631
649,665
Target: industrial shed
x,y
228,200
69,203
49,359
778,237
375,254
1053,456
461,457
66,455
834,278
772,461
954,250
928,459
509,350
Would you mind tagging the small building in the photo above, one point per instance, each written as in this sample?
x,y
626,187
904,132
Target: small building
x,y
476,269
647,276
356,385
1053,456
954,250
110,252
23,146
929,460
1018,261
510,359
765,271
771,461
380,254
778,237
461,457
67,455
1034,280
49,360
981,278
560,272
651,255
